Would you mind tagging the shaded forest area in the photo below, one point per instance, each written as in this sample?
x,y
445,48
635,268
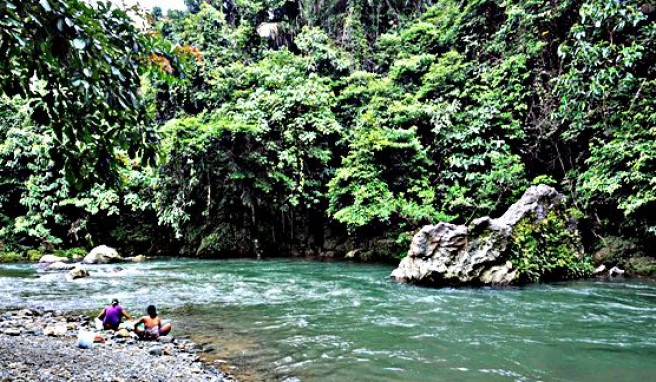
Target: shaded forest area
x,y
323,127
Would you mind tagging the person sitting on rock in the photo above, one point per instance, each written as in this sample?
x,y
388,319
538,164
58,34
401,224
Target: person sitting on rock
x,y
153,327
112,314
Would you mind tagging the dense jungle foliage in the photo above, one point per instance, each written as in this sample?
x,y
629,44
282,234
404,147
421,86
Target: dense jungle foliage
x,y
244,127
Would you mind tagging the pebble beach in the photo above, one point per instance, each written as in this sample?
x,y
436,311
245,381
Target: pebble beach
x,y
43,346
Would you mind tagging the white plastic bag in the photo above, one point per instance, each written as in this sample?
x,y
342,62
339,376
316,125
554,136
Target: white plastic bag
x,y
85,339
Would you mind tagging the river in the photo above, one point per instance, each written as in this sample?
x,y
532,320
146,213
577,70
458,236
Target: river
x,y
291,320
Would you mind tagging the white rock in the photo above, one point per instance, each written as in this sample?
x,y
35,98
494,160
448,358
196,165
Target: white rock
x,y
12,332
124,333
137,259
615,271
599,269
59,266
55,330
351,254
24,312
50,259
102,254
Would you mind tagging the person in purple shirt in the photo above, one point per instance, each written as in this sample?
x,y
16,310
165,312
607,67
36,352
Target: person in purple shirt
x,y
112,314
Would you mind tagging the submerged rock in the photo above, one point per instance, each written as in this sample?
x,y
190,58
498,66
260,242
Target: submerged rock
x,y
77,273
137,259
535,240
102,254
59,266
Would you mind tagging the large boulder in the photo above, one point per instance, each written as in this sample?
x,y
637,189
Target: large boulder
x,y
51,259
102,254
535,240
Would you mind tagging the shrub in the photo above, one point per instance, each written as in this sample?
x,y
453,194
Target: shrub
x,y
548,249
10,257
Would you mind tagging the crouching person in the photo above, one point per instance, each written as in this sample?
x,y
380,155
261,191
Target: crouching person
x,y
152,325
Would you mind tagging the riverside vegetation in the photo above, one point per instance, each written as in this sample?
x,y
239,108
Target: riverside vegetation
x,y
247,127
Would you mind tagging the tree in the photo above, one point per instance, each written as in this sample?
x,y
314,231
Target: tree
x,y
193,6
79,66
255,165
38,207
157,13
608,103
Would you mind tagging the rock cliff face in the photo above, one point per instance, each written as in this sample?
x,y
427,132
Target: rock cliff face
x,y
535,240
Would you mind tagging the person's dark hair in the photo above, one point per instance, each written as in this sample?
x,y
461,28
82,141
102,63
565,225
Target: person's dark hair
x,y
114,302
152,311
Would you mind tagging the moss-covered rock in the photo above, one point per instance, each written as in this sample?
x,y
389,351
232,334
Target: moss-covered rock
x,y
626,254
536,239
615,251
548,248
227,240
641,266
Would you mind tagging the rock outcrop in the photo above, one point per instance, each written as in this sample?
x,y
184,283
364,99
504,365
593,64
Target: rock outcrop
x,y
102,254
536,239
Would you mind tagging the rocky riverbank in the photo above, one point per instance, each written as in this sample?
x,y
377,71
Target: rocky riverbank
x,y
43,346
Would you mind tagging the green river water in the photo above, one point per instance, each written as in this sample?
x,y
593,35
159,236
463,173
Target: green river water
x,y
291,320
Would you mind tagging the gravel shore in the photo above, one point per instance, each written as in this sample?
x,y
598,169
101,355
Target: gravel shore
x,y
43,346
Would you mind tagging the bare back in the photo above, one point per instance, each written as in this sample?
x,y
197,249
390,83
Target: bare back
x,y
150,322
